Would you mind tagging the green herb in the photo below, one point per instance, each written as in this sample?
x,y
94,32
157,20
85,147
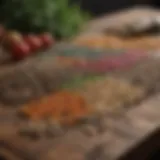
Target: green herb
x,y
54,16
79,81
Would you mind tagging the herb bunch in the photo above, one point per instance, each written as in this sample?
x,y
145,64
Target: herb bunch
x,y
55,16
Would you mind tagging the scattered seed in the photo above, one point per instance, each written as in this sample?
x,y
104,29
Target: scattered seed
x,y
89,130
34,130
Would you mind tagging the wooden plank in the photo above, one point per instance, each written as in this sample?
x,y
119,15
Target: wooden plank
x,y
112,136
119,135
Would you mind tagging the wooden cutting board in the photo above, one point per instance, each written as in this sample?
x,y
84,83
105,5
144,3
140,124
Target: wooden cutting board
x,y
113,137
135,134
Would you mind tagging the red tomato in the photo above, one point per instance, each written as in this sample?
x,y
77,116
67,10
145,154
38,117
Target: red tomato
x,y
34,42
47,40
19,50
12,37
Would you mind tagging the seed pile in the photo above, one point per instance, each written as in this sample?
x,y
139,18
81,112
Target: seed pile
x,y
101,95
83,103
63,107
110,95
146,75
84,52
144,42
107,64
80,80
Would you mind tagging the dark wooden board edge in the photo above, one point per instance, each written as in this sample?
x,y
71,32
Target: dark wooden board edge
x,y
133,133
145,149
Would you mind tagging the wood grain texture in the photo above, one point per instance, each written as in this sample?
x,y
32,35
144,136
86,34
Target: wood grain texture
x,y
114,136
135,133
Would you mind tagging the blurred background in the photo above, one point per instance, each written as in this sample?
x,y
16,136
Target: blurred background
x,y
102,6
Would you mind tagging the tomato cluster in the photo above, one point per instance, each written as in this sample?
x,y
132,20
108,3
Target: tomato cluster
x,y
21,46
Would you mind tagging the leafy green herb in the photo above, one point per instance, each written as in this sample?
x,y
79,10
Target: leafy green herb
x,y
54,16
78,81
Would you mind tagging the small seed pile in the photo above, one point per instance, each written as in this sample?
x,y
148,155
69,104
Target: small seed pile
x,y
63,107
115,42
66,107
70,61
84,52
83,104
110,95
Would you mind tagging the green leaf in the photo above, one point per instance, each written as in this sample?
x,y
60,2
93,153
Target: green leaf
x,y
55,16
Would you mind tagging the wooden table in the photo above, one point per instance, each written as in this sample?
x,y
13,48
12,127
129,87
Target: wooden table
x,y
133,135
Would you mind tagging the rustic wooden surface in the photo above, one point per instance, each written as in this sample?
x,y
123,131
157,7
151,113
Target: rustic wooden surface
x,y
120,135
110,139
